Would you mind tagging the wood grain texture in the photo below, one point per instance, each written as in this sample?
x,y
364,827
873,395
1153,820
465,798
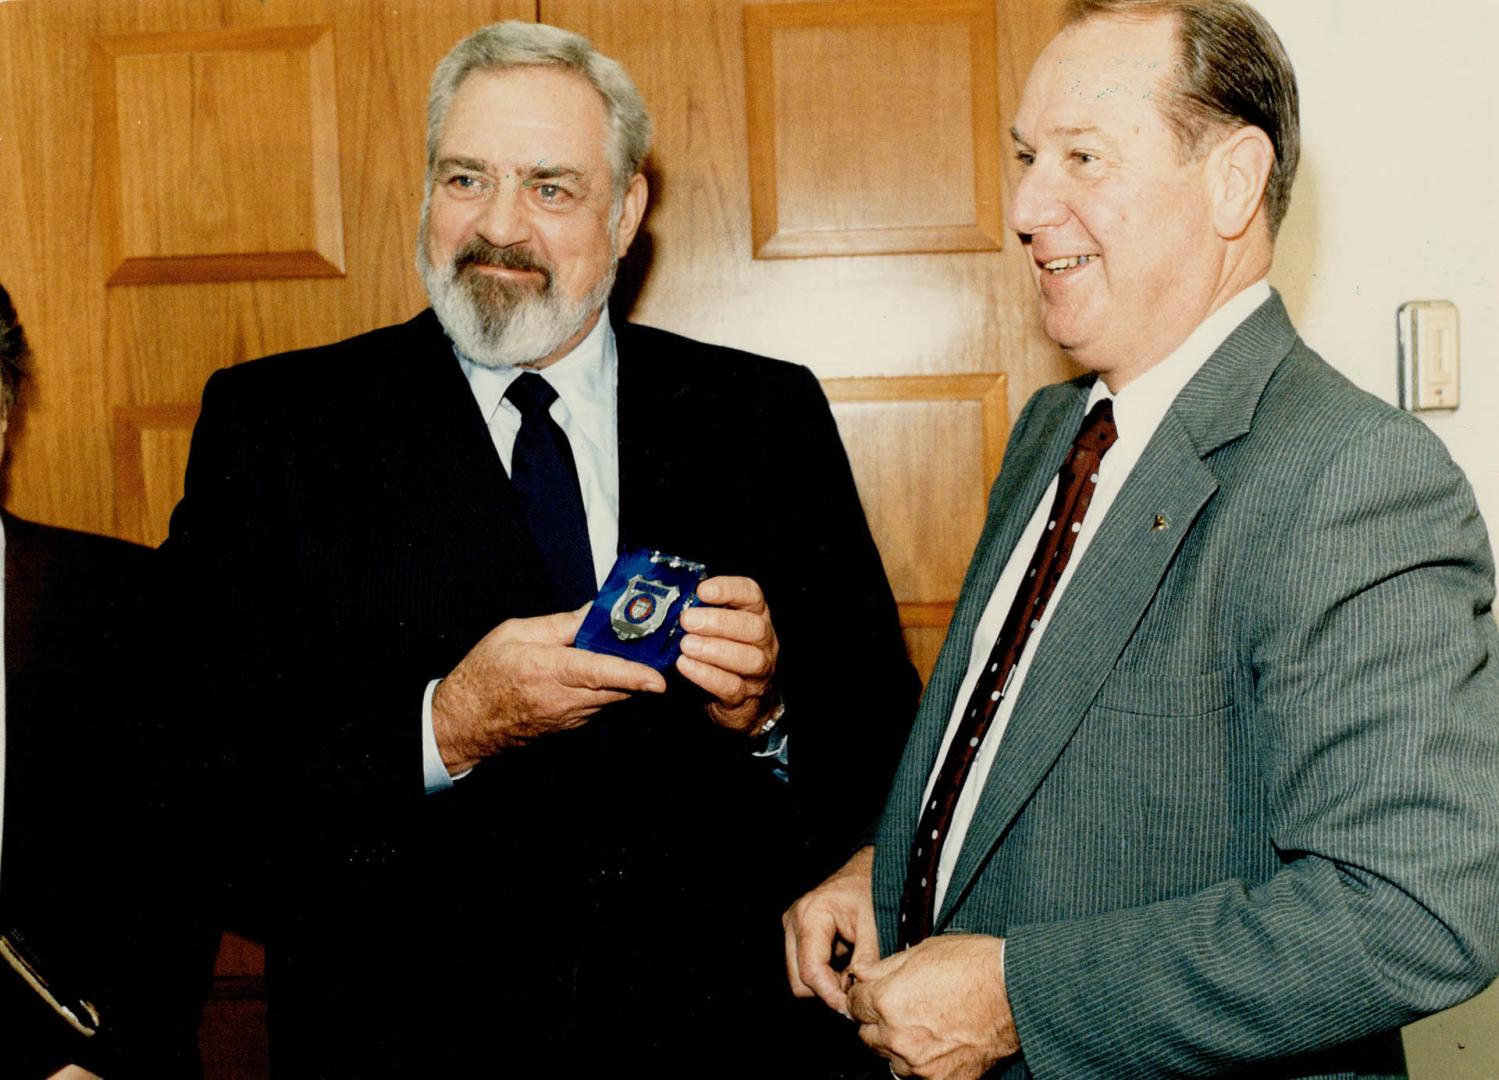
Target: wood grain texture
x,y
990,391
150,456
98,347
692,269
844,157
924,450
218,155
923,456
919,468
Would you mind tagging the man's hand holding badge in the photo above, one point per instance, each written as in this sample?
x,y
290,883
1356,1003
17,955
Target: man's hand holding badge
x,y
730,650
530,677
649,610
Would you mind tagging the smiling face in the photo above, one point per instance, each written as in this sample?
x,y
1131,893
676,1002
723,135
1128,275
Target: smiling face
x,y
1120,230
517,246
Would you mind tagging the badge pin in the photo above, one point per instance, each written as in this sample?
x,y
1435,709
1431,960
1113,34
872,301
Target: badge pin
x,y
641,608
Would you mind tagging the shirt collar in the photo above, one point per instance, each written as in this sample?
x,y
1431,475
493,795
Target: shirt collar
x,y
1139,407
584,379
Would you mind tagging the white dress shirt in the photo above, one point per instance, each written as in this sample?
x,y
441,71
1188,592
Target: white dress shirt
x,y
1138,410
586,381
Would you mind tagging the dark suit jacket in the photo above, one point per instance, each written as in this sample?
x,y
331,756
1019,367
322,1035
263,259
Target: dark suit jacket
x,y
347,534
1246,812
97,863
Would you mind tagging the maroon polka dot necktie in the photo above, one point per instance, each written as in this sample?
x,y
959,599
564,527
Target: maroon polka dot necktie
x,y
1076,483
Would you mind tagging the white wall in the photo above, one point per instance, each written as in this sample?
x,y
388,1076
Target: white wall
x,y
1398,199
1398,196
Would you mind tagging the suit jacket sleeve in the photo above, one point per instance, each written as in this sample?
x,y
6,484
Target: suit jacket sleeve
x,y
341,715
849,689
1374,653
103,854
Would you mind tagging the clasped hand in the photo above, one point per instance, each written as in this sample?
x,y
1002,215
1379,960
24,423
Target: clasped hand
x,y
937,1011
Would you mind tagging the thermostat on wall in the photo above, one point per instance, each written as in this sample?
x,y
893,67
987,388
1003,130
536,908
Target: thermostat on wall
x,y
1428,355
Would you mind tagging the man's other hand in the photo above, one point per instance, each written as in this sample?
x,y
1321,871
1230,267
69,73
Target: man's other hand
x,y
523,680
937,1010
73,1072
830,922
730,650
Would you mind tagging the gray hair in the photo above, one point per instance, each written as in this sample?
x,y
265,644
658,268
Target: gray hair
x,y
15,354
504,45
1233,72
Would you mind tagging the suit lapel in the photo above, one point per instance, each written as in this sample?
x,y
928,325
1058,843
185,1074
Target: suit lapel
x,y
1112,587
25,559
1030,465
1117,579
440,458
661,478
646,463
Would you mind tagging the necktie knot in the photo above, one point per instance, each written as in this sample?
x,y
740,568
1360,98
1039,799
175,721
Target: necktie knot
x,y
1098,432
531,394
545,478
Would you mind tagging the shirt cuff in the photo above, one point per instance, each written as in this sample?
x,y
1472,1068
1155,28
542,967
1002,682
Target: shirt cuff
x,y
776,751
434,773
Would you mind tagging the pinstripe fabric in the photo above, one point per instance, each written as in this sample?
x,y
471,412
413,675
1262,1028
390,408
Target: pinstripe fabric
x,y
1248,803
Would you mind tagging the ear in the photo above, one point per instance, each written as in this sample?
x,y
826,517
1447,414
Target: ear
x,y
630,214
1239,168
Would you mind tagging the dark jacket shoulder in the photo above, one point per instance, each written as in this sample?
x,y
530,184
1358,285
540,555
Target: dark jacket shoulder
x,y
85,585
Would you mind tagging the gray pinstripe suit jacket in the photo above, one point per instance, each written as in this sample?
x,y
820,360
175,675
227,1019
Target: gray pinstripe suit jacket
x,y
1245,817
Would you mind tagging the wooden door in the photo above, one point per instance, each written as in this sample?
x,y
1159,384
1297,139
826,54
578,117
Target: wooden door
x,y
187,184
827,187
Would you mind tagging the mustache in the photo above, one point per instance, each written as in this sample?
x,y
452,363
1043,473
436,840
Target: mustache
x,y
480,252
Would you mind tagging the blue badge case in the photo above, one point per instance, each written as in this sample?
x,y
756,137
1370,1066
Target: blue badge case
x,y
635,614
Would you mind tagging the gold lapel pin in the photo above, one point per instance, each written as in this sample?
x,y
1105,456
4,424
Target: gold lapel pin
x,y
1159,525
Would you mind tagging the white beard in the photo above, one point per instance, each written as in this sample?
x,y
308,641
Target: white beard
x,y
502,323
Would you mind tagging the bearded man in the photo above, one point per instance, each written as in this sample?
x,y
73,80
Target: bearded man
x,y
475,847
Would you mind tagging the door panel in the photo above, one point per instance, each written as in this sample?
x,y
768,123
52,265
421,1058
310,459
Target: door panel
x,y
324,246
894,145
191,183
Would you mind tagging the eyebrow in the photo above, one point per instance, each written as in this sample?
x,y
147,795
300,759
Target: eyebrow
x,y
473,164
1067,132
542,170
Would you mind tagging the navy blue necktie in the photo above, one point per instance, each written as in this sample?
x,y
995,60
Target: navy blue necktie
x,y
545,479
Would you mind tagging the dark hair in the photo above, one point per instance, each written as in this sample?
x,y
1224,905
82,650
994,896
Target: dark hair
x,y
14,352
1233,72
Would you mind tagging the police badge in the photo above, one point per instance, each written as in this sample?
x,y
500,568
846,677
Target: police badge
x,y
635,614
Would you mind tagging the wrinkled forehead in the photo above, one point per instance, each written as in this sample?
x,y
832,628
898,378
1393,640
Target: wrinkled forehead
x,y
525,104
1104,70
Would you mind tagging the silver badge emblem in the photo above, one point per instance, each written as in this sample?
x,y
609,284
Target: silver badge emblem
x,y
641,608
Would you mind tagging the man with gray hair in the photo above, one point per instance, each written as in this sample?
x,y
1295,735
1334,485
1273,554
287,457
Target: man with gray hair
x,y
1206,780
491,851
